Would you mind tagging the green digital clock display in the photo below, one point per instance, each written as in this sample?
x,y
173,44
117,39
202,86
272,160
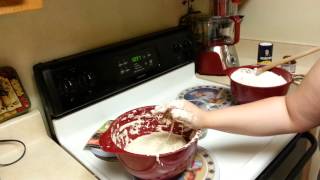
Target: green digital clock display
x,y
136,59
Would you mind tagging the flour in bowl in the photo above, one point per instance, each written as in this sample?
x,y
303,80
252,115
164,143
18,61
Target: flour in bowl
x,y
152,144
248,77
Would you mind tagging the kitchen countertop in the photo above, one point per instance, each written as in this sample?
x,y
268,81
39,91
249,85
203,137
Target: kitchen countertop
x,y
44,159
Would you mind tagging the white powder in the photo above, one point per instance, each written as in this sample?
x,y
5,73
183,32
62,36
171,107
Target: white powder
x,y
183,116
131,128
177,112
152,144
248,77
179,104
155,143
176,104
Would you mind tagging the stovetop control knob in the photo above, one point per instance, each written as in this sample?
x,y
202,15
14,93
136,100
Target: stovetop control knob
x,y
187,44
177,47
68,85
87,79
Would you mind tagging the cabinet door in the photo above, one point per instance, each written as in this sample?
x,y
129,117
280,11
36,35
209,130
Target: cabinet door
x,y
12,6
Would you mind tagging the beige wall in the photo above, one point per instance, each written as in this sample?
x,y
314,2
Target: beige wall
x,y
295,21
63,27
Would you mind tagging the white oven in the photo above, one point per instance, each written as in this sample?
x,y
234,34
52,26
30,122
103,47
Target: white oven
x,y
83,91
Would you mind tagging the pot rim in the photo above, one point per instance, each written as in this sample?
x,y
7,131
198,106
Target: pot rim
x,y
232,69
111,147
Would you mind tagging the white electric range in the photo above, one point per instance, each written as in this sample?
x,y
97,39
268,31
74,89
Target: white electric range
x,y
83,91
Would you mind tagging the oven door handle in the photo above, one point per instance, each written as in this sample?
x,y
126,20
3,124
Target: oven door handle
x,y
306,156
287,150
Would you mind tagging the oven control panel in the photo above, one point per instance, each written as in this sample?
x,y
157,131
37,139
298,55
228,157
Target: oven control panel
x,y
74,82
137,62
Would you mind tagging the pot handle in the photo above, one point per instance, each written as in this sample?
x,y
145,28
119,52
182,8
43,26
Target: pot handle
x,y
286,151
107,144
306,156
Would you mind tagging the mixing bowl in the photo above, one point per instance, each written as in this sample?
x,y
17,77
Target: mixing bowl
x,y
139,122
244,93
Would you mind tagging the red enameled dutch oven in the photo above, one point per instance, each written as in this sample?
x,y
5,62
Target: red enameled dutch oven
x,y
245,94
139,122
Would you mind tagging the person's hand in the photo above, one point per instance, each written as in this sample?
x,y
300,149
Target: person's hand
x,y
182,111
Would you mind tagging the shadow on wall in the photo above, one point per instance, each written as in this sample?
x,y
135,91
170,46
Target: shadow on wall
x,y
242,3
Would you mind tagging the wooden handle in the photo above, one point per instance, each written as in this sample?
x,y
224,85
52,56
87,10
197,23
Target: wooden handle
x,y
285,60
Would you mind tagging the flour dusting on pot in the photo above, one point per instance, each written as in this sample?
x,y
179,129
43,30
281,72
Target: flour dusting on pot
x,y
121,137
143,132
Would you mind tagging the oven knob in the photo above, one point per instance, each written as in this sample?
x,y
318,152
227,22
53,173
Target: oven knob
x,y
87,79
71,99
187,44
177,47
69,86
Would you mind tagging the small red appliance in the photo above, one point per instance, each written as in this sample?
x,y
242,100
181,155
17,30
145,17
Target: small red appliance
x,y
217,33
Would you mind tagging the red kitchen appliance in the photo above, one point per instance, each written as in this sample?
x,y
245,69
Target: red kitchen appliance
x,y
217,33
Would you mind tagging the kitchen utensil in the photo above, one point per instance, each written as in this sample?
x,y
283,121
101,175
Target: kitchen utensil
x,y
216,60
223,7
285,60
217,33
212,31
244,93
139,122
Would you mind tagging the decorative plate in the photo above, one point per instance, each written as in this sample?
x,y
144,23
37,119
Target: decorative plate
x,y
202,168
207,97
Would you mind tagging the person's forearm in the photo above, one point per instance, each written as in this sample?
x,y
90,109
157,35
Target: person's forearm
x,y
260,118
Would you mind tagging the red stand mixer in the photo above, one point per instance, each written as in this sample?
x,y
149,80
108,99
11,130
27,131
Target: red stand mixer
x,y
217,34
